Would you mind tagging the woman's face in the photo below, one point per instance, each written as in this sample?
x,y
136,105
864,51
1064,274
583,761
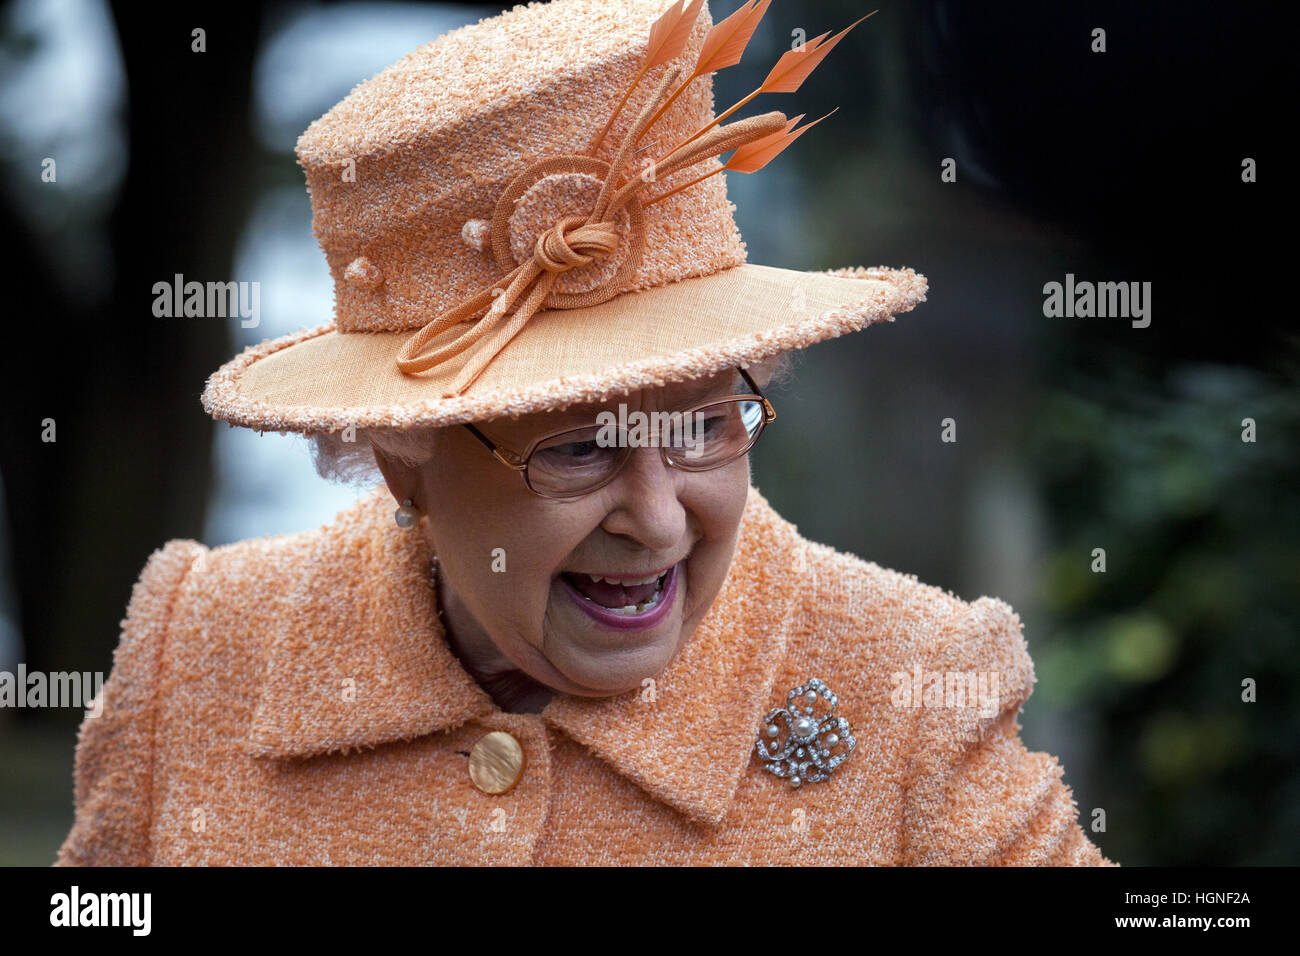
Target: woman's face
x,y
504,551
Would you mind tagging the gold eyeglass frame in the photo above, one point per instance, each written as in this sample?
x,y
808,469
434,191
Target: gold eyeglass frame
x,y
519,461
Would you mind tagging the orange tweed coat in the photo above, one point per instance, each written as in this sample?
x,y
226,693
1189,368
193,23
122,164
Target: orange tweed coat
x,y
292,700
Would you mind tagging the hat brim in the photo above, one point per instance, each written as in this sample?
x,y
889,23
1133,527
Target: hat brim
x,y
321,380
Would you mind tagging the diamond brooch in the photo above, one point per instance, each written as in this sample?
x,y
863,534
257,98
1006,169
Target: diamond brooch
x,y
803,746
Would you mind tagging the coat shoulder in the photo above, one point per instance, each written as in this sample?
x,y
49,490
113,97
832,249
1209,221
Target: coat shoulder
x,y
237,597
895,614
897,638
113,764
195,637
241,587
940,682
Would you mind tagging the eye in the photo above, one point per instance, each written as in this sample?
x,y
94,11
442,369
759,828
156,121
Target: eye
x,y
715,423
578,449
574,450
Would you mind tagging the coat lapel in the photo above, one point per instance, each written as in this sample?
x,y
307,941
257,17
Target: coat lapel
x,y
360,658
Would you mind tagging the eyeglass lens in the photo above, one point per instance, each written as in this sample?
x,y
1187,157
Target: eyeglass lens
x,y
705,438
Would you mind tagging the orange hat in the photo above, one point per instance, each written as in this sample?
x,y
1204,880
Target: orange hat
x,y
526,214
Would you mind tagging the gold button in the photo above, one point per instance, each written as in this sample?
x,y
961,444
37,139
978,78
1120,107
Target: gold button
x,y
496,763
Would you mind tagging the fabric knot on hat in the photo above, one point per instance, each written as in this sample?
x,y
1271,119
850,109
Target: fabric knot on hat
x,y
584,255
561,247
364,274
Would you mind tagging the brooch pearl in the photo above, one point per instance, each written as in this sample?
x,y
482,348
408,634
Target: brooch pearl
x,y
805,756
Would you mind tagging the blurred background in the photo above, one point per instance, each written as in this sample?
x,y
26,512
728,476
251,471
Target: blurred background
x,y
1072,434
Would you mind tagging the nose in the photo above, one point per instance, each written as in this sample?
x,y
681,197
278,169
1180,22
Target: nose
x,y
647,505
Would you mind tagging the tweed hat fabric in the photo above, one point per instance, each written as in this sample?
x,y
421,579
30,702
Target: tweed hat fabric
x,y
529,213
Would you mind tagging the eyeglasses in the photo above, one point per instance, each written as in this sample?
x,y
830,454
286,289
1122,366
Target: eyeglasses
x,y
574,462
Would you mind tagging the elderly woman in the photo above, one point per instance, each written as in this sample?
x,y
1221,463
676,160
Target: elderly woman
x,y
566,629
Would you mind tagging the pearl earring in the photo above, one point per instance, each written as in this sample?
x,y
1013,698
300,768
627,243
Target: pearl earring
x,y
407,516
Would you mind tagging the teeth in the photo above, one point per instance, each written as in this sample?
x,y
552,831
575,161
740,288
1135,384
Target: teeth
x,y
626,583
639,608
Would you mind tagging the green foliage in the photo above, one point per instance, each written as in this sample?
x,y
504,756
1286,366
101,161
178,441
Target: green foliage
x,y
1201,593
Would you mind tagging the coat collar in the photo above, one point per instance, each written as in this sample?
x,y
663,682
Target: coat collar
x,y
358,657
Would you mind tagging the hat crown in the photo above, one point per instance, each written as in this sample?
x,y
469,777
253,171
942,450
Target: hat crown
x,y
403,172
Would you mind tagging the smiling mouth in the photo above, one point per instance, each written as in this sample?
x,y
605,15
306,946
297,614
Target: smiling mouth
x,y
628,597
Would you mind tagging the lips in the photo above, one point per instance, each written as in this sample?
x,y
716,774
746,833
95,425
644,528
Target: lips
x,y
653,610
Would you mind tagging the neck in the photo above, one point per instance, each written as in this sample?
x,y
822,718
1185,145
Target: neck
x,y
510,688
515,692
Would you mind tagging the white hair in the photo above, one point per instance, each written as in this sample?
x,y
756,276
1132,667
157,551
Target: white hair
x,y
353,462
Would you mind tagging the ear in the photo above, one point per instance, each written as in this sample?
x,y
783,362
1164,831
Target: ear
x,y
403,480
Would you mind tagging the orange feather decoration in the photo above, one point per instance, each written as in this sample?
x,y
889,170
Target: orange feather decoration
x,y
723,46
752,157
788,74
668,37
795,65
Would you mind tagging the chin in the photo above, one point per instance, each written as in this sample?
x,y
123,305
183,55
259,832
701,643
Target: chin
x,y
619,673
